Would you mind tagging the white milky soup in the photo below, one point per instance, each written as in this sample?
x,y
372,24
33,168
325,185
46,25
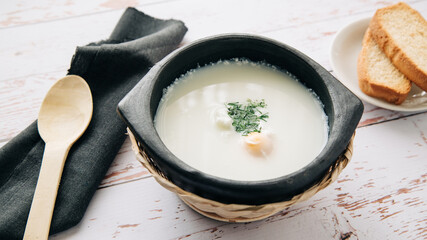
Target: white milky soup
x,y
194,120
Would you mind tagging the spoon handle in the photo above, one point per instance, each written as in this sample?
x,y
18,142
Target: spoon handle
x,y
39,219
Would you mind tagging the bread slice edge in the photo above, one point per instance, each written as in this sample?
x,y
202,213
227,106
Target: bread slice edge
x,y
394,52
369,86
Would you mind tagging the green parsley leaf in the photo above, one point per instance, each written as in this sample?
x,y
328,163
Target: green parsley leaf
x,y
246,117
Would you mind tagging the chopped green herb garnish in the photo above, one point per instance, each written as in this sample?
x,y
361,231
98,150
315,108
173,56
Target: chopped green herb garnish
x,y
246,117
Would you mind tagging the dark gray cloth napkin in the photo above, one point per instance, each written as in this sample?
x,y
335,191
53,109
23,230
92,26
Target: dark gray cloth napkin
x,y
111,67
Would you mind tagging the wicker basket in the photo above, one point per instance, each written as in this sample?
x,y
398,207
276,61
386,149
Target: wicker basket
x,y
239,212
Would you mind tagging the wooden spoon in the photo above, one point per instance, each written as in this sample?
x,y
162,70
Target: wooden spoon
x,y
64,115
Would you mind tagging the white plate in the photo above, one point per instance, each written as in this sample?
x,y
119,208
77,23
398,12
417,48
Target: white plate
x,y
344,51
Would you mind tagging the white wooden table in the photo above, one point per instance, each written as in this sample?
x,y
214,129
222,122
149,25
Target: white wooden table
x,y
382,194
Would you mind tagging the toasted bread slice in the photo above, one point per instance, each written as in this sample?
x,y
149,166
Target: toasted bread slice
x,y
401,33
378,77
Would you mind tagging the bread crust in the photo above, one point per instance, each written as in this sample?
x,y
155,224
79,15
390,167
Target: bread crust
x,y
368,86
393,51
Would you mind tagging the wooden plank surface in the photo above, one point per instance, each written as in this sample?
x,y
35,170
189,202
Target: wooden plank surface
x,y
380,195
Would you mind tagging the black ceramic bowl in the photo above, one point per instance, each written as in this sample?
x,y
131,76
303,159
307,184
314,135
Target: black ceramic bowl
x,y
139,107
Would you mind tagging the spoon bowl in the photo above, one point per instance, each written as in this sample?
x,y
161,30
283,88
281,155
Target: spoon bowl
x,y
64,115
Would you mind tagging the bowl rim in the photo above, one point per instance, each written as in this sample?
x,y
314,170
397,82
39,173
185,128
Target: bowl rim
x,y
227,190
